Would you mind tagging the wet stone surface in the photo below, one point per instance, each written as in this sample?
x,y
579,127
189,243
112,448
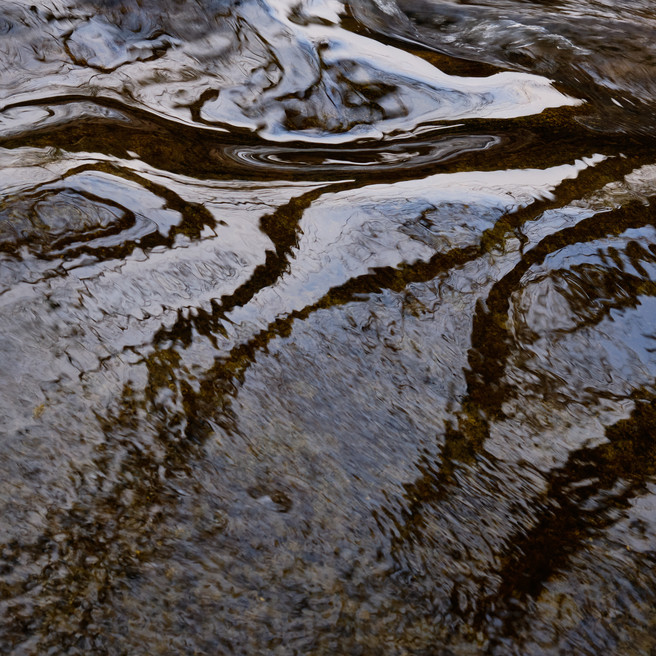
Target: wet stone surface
x,y
327,328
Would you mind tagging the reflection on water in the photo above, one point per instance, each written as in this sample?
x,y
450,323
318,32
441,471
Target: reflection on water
x,y
327,328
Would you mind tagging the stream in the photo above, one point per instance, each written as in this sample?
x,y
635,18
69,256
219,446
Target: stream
x,y
327,327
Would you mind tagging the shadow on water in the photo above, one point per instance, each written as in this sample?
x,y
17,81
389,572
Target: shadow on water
x,y
97,544
581,498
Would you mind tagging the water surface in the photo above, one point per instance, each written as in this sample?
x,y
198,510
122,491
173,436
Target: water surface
x,y
327,328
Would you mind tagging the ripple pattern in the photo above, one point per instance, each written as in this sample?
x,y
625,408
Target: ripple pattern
x,y
327,328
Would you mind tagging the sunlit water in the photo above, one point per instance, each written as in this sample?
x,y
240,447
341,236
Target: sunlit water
x,y
327,328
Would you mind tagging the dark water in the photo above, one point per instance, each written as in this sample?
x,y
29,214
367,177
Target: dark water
x,y
327,328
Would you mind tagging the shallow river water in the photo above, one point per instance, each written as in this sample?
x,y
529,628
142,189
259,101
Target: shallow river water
x,y
327,328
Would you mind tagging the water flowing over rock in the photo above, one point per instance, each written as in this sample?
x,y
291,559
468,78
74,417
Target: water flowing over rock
x,y
327,327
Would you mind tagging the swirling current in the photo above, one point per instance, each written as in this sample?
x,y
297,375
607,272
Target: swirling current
x,y
327,327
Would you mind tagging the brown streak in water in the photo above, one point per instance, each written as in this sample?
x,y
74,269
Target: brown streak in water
x,y
490,348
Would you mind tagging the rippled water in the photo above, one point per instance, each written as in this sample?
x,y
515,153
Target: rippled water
x,y
327,328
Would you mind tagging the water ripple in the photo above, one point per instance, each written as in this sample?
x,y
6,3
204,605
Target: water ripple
x,y
327,327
